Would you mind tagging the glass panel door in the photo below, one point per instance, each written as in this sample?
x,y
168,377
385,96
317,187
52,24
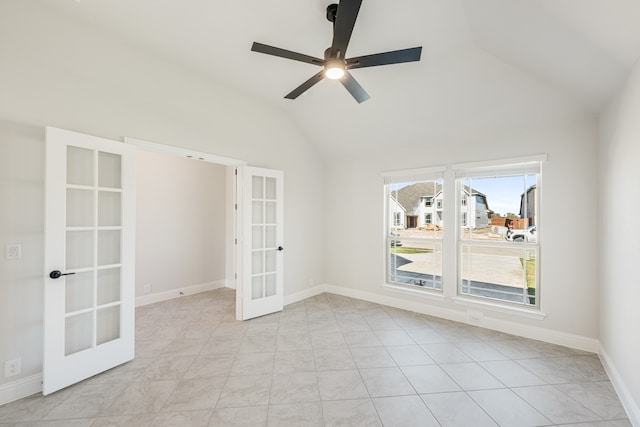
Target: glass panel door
x,y
262,290
89,289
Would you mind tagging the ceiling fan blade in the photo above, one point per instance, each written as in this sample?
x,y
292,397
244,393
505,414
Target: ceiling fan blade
x,y
283,53
386,58
305,86
354,88
343,27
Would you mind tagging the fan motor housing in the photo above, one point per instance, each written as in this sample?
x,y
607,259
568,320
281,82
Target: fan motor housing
x,y
332,11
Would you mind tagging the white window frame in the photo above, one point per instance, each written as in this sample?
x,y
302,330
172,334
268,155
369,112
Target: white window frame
x,y
396,177
514,167
451,215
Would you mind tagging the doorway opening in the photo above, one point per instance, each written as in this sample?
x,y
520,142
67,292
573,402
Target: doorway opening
x,y
186,222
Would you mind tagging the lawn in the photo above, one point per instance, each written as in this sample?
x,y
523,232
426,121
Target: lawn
x,y
407,250
531,271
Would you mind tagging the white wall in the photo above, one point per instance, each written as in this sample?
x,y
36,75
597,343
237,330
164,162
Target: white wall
x,y
354,255
619,204
58,72
181,221
21,222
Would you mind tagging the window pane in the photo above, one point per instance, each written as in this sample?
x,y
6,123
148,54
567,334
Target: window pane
x,y
108,324
492,208
79,208
109,170
498,237
79,166
414,240
78,333
415,209
416,263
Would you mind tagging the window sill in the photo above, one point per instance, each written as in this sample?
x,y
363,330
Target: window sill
x,y
413,292
500,308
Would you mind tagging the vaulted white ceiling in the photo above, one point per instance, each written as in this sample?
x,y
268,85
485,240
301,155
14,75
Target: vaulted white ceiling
x,y
486,64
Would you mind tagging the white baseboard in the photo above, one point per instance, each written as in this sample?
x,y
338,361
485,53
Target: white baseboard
x,y
307,293
179,292
21,388
629,404
509,327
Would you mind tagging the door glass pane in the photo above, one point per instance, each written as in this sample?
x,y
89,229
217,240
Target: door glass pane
x,y
108,247
257,188
270,285
108,327
79,250
270,261
270,213
109,208
257,239
270,237
256,262
108,286
256,287
78,291
256,216
109,170
79,166
270,184
78,332
79,208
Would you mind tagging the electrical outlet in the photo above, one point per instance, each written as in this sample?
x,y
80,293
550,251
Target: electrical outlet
x,y
146,289
12,368
13,252
475,316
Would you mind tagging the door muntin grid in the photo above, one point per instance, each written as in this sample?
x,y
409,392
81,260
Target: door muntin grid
x,y
93,249
264,245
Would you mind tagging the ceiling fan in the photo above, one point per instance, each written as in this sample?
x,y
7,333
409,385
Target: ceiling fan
x,y
335,65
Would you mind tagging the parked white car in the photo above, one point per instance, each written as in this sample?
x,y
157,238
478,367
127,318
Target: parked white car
x,y
528,235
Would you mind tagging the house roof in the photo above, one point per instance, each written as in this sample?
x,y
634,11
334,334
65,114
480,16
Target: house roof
x,y
486,64
409,196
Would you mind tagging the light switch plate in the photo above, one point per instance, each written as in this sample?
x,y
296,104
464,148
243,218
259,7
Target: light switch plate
x,y
14,252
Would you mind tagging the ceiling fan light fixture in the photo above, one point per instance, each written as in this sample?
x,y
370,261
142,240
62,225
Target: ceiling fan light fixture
x,y
334,70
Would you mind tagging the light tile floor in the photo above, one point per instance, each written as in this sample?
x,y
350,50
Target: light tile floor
x,y
328,360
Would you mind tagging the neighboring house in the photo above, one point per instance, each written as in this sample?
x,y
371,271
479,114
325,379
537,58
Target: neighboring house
x,y
477,213
397,214
529,205
420,205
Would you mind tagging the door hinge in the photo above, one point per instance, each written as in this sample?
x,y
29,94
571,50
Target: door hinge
x,y
236,241
236,275
236,206
236,171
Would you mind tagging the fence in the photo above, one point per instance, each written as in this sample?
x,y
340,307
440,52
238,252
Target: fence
x,y
518,223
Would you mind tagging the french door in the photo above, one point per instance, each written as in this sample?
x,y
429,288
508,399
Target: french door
x,y
261,289
89,257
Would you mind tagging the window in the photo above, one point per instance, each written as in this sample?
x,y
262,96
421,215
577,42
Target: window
x,y
414,251
498,247
397,218
492,235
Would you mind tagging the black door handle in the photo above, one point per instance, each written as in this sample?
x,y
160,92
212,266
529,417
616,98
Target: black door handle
x,y
280,248
56,274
